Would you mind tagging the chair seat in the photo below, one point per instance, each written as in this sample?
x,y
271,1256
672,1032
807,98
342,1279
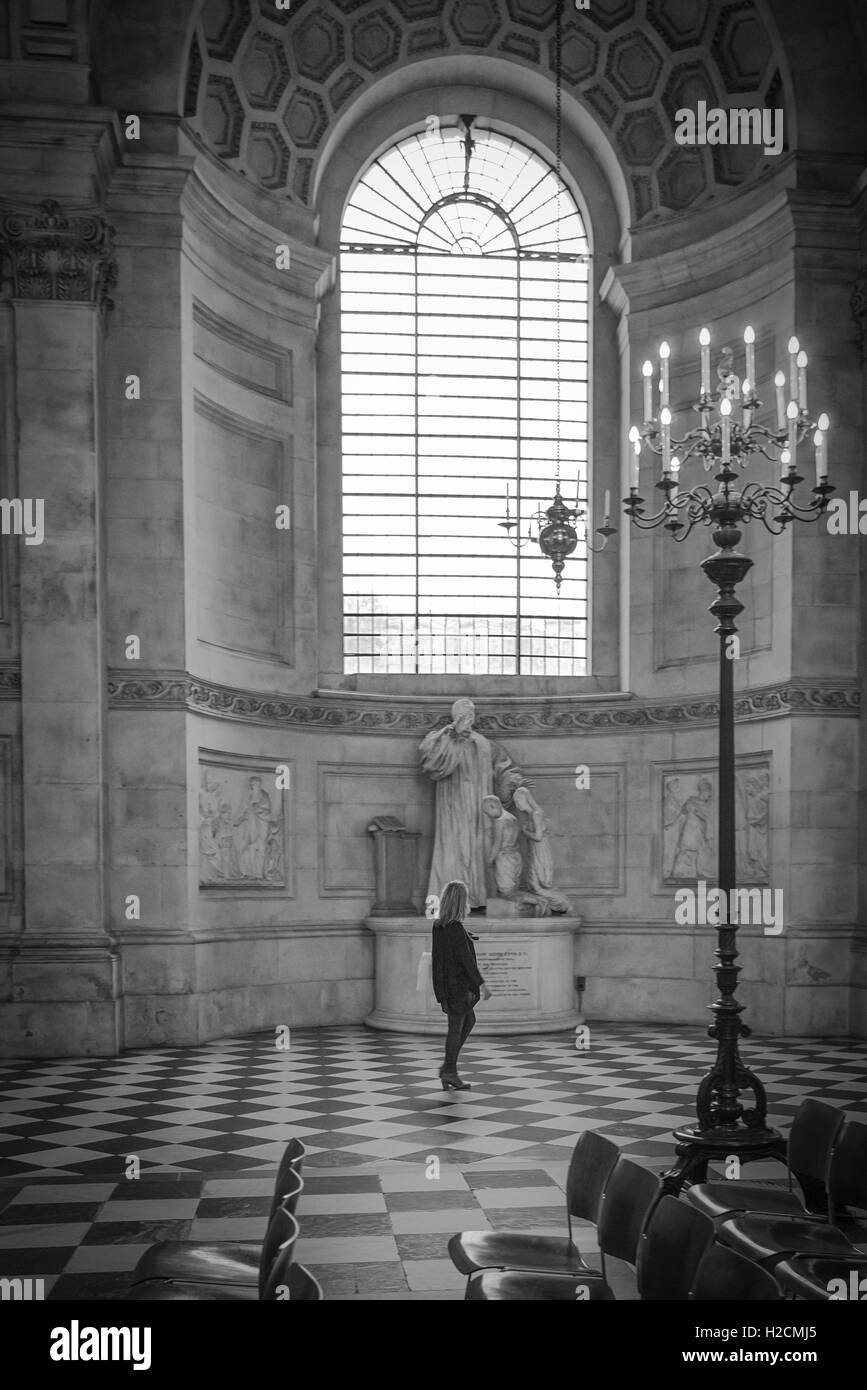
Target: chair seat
x,y
475,1250
720,1199
230,1262
769,1239
521,1285
167,1291
808,1276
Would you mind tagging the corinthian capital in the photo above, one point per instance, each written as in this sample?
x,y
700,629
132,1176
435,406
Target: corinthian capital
x,y
50,256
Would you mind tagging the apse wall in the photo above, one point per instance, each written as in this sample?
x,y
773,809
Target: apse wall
x,y
219,956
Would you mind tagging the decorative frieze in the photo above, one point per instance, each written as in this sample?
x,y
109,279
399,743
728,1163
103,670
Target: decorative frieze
x,y
48,255
177,690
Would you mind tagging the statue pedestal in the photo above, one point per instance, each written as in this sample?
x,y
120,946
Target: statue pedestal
x,y
528,965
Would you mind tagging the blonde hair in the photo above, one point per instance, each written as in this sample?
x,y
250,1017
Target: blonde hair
x,y
454,901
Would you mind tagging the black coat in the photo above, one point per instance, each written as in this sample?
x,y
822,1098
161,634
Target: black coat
x,y
456,978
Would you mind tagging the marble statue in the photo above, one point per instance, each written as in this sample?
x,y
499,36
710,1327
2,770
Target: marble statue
x,y
505,856
466,768
539,868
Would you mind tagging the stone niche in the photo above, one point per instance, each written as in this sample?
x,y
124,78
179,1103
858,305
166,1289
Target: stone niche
x,y
527,963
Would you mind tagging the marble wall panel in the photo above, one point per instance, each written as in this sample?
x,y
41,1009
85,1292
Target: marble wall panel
x,y
586,826
243,472
350,795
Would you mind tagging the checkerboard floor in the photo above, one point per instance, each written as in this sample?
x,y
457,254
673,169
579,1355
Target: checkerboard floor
x,y
395,1165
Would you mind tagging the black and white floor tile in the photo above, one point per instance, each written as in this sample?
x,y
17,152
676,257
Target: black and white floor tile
x,y
204,1128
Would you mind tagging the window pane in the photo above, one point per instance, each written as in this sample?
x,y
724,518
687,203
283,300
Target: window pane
x,y
453,353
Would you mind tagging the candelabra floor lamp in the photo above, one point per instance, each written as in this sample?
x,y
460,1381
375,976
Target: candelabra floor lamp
x,y
725,1126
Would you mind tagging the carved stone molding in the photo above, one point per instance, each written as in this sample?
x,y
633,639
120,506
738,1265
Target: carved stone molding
x,y
177,691
50,256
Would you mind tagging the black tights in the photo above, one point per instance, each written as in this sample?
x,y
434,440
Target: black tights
x,y
460,1027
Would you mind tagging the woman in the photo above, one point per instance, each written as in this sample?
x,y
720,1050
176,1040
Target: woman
x,y
456,979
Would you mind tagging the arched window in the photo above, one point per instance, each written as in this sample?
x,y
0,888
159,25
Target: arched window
x,y
464,270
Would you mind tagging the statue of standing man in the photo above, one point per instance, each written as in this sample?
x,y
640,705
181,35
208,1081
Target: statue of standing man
x,y
466,768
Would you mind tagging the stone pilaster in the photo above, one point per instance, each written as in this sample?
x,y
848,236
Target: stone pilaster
x,y
58,265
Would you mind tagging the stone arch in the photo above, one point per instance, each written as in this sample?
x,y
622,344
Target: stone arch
x,y
398,106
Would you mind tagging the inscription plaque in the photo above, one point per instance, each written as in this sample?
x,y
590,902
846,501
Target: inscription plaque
x,y
509,971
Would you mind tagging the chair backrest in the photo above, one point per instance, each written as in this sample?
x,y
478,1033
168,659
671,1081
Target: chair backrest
x,y
593,1157
811,1139
723,1275
302,1286
847,1175
630,1194
280,1227
291,1162
276,1284
293,1186
674,1240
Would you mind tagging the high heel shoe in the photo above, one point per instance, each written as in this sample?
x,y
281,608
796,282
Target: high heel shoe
x,y
452,1082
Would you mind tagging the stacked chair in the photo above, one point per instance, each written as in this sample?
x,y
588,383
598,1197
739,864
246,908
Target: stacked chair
x,y
229,1271
808,1153
805,1254
723,1275
629,1195
669,1243
721,1241
592,1160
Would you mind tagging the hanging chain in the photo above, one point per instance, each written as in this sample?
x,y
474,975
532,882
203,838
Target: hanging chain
x,y
558,155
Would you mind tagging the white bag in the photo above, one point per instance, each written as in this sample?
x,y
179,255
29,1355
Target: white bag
x,y
424,980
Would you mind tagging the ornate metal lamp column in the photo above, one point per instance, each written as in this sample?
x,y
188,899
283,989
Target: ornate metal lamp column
x,y
725,1127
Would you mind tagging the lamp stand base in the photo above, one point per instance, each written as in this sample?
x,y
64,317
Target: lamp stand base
x,y
695,1148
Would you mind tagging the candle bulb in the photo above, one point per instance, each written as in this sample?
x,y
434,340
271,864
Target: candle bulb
x,y
675,469
821,457
792,413
824,425
785,463
802,380
779,383
725,410
704,340
794,349
748,391
664,354
647,373
636,458
665,421
750,341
